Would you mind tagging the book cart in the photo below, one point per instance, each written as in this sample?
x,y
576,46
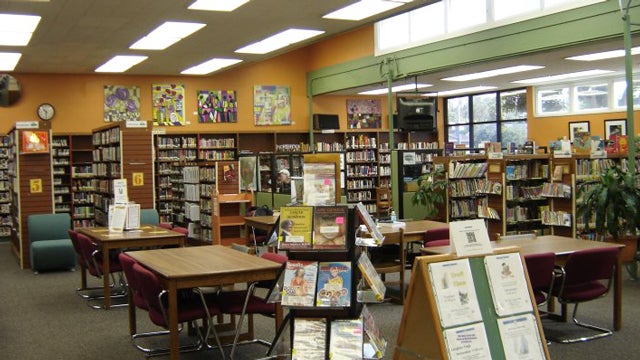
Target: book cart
x,y
321,326
465,308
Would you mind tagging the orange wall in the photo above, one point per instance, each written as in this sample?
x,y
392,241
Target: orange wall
x,y
78,98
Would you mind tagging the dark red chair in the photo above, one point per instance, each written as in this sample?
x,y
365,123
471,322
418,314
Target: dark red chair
x,y
94,262
586,275
442,242
82,263
540,268
245,302
192,307
435,235
165,225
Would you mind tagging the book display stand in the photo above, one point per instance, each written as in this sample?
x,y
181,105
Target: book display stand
x,y
475,307
320,288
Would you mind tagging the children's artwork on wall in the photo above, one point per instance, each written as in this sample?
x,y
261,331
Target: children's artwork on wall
x,y
364,113
121,103
168,104
217,106
271,105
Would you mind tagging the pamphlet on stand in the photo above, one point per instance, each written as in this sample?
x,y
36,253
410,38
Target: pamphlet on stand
x,y
520,337
467,343
133,217
376,238
508,284
469,237
117,217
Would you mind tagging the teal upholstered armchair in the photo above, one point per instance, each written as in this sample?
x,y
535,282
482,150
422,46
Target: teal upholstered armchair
x,y
149,217
49,243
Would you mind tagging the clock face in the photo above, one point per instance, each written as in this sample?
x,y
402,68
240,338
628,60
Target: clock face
x,y
46,111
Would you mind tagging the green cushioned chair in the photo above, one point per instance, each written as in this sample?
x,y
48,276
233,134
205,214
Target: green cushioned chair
x,y
149,217
49,243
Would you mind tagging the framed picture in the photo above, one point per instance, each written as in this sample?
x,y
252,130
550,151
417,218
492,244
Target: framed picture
x,y
577,127
615,127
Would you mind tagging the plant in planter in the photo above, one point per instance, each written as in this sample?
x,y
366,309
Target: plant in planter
x,y
430,192
614,202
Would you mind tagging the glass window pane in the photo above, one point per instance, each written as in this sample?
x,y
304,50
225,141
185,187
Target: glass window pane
x,y
484,107
484,132
458,110
427,22
590,97
464,14
508,8
514,132
620,93
458,134
513,105
553,101
393,32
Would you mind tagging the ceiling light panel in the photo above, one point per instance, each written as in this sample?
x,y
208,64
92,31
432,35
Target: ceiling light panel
x,y
406,87
121,63
217,5
9,60
559,77
467,90
210,66
603,55
363,9
166,35
16,30
279,40
493,73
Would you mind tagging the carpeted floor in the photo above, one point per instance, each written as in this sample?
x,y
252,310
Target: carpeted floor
x,y
42,318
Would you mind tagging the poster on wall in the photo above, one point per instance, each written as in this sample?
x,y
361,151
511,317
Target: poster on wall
x,y
248,173
271,105
364,113
121,103
168,104
217,106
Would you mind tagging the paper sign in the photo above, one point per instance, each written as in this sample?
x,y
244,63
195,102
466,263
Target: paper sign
x,y
469,237
35,186
120,195
137,179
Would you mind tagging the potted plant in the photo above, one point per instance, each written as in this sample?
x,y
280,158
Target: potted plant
x,y
613,201
430,192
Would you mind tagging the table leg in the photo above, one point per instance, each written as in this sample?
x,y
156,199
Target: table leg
x,y
106,290
132,313
617,296
173,320
83,277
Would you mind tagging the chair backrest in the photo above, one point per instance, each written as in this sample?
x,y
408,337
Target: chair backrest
x,y
165,225
182,230
436,234
87,248
275,257
149,217
73,235
150,287
395,238
588,265
127,263
442,242
540,269
48,226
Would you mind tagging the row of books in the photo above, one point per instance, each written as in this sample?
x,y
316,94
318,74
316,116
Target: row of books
x,y
557,190
467,170
526,171
465,187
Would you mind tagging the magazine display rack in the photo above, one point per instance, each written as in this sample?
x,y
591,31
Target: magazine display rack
x,y
320,288
481,305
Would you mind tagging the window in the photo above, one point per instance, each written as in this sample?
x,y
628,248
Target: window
x,y
495,116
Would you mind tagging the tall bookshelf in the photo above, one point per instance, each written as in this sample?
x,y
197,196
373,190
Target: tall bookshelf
x,y
560,191
466,174
361,162
122,152
5,189
61,164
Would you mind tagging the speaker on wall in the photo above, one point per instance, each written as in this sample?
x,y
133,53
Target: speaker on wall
x,y
326,122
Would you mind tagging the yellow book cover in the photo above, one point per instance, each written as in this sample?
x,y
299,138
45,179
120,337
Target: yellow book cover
x,y
296,227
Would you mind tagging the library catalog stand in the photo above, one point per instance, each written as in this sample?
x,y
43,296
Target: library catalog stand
x,y
432,324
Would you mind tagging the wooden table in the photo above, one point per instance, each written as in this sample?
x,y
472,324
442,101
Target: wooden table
x,y
562,246
414,230
147,235
265,223
189,267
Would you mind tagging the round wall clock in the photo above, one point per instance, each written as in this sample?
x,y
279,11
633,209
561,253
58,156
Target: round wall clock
x,y
46,111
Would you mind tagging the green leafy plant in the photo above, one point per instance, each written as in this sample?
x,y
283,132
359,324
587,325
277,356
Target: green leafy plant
x,y
614,201
430,192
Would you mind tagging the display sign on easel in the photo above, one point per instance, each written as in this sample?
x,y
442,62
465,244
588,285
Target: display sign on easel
x,y
469,237
123,215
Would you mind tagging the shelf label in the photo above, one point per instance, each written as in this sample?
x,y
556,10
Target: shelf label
x,y
136,124
27,125
137,179
35,186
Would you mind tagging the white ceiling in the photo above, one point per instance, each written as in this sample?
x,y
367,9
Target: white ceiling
x,y
76,36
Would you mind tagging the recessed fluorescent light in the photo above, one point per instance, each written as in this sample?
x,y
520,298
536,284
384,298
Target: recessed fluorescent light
x,y
465,90
395,89
603,55
562,76
121,63
279,40
16,30
492,73
210,66
364,9
166,35
217,5
9,60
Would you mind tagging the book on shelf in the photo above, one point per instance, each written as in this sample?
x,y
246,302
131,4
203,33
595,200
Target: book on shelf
x,y
582,142
329,227
375,346
345,342
309,336
296,226
299,283
371,276
319,185
334,284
